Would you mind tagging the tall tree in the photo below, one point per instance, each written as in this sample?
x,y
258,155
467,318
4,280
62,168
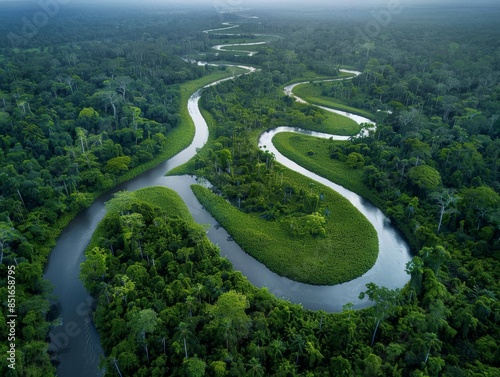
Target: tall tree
x,y
434,257
415,268
185,332
93,269
432,342
141,323
384,299
229,311
446,199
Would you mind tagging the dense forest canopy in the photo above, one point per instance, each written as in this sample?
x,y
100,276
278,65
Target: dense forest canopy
x,y
89,98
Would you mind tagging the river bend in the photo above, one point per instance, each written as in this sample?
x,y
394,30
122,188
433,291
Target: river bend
x,y
76,339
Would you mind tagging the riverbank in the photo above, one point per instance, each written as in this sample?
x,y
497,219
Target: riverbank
x,y
81,353
313,93
176,140
313,154
162,197
346,250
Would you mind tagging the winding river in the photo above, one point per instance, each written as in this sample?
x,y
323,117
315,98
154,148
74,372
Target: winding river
x,y
76,339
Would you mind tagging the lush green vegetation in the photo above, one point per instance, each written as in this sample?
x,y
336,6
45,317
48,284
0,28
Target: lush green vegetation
x,y
180,137
326,248
69,132
315,93
433,162
314,154
276,204
183,311
162,198
166,199
190,166
408,174
323,122
336,124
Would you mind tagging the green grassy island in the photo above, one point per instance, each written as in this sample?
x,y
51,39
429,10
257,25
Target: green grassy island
x,y
326,250
314,93
314,154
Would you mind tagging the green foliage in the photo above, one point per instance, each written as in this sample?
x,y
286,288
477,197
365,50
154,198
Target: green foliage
x,y
444,103
88,112
94,269
339,255
292,206
425,177
195,367
118,164
315,93
296,147
385,301
355,160
300,226
67,137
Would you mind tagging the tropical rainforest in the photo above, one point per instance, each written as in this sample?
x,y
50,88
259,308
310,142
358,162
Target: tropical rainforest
x,y
93,95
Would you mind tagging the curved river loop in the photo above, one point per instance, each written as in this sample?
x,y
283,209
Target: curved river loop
x,y
76,340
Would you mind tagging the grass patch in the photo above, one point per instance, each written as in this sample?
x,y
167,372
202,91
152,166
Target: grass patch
x,y
313,76
337,124
298,148
162,197
348,250
312,93
166,199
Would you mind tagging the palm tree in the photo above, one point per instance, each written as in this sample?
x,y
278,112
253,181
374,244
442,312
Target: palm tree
x,y
276,348
143,322
184,332
199,291
228,331
298,344
432,342
348,308
256,369
190,303
260,337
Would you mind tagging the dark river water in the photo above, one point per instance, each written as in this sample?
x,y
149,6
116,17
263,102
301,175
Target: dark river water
x,y
76,338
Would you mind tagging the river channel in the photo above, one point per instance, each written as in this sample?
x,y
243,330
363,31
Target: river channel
x,y
76,339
